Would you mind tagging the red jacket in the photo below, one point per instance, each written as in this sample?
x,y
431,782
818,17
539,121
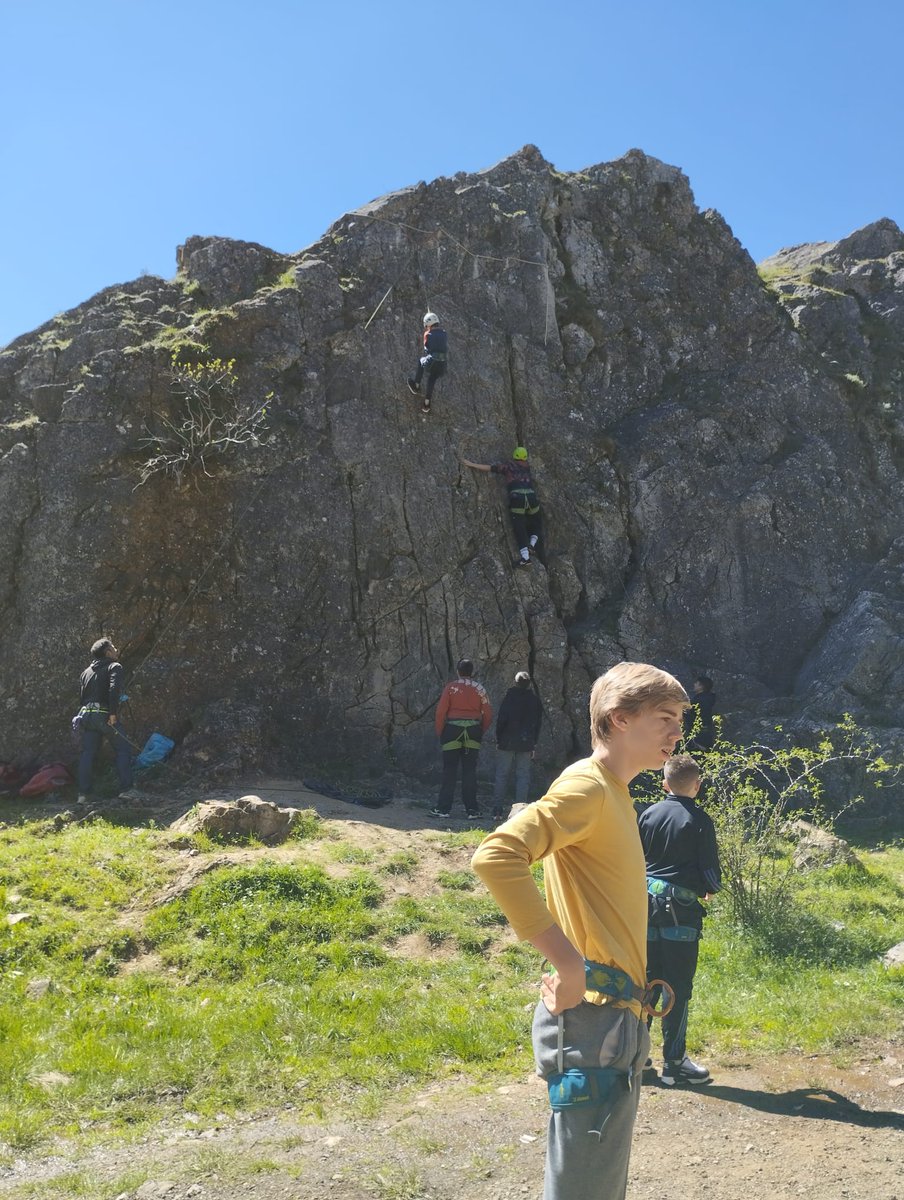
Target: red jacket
x,y
463,699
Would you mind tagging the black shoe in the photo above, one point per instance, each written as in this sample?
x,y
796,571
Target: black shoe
x,y
685,1071
413,388
497,815
522,562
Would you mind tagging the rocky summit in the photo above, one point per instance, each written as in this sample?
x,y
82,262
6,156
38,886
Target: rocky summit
x,y
227,473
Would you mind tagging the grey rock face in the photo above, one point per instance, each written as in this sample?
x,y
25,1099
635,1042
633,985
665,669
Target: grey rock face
x,y
717,495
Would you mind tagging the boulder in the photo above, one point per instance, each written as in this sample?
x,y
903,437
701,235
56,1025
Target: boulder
x,y
233,820
818,848
894,957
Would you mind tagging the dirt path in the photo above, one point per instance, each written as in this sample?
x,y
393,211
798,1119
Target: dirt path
x,y
798,1127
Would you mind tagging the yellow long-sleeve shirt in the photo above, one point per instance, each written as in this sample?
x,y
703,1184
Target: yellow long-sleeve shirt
x,y
585,830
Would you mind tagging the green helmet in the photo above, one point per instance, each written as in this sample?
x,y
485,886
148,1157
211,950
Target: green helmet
x,y
520,453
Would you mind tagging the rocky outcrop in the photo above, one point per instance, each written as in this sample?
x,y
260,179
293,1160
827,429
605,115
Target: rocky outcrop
x,y
238,820
818,848
718,494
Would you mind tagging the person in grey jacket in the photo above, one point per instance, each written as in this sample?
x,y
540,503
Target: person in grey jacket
x,y
517,731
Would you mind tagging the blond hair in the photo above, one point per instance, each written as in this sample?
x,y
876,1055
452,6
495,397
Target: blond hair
x,y
630,687
680,771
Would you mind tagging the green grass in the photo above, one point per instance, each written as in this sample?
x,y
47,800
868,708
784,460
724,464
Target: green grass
x,y
814,983
276,981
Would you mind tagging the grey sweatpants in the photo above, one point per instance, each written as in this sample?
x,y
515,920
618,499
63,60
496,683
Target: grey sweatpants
x,y
589,1146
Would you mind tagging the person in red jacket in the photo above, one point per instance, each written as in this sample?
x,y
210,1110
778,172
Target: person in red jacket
x,y
463,716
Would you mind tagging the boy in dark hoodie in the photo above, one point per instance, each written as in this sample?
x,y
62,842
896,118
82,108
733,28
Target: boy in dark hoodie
x,y
517,731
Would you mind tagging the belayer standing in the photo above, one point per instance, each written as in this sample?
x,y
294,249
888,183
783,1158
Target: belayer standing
x,y
679,845
524,507
432,362
517,730
100,695
463,716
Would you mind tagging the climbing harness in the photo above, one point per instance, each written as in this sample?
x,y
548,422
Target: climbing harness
x,y
529,504
618,984
673,933
463,741
670,891
592,1085
668,895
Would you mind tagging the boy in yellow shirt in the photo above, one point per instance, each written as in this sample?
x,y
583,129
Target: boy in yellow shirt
x,y
590,1039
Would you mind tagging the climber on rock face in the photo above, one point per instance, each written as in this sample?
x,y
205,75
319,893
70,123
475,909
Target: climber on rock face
x,y
432,362
524,507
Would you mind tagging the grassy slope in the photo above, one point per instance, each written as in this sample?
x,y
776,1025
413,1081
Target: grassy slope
x,y
284,979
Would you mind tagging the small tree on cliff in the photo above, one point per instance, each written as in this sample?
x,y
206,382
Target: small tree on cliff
x,y
213,421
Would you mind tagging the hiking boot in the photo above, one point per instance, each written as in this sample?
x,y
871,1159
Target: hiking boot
x,y
413,388
686,1071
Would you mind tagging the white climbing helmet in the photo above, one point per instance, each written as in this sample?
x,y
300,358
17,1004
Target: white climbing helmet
x,y
430,319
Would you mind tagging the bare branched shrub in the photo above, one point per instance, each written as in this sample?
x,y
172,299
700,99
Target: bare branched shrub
x,y
752,792
213,421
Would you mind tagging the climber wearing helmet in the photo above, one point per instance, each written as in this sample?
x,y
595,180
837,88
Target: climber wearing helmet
x,y
432,361
524,507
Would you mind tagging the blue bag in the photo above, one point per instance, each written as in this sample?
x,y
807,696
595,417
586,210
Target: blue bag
x,y
156,748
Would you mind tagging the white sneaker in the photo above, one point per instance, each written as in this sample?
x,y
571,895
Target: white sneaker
x,y
686,1071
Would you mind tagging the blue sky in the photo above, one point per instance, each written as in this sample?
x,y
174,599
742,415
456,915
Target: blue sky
x,y
129,126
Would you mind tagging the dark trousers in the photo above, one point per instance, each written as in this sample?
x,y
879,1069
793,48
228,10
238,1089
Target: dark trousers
x,y
95,730
467,760
433,371
676,963
524,525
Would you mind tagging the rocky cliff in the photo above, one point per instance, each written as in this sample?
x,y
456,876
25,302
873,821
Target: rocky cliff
x,y
718,456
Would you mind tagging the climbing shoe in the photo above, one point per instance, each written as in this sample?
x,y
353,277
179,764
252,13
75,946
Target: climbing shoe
x,y
686,1071
413,388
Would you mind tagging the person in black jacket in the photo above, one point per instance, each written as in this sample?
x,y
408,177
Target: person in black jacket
x,y
679,845
699,725
100,693
517,731
432,362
